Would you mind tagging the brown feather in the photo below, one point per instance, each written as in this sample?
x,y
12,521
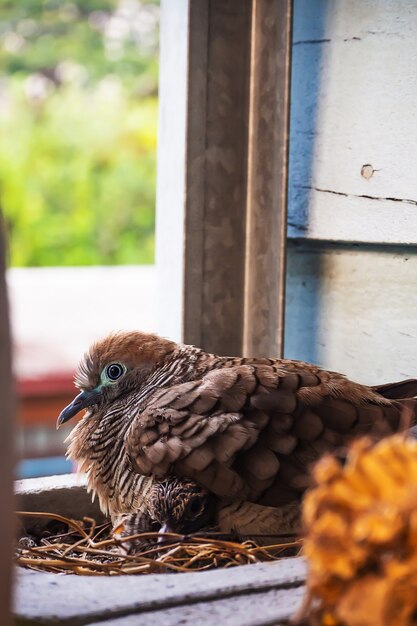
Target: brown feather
x,y
399,390
279,400
281,422
261,462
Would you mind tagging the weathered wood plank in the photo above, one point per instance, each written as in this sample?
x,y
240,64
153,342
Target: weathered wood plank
x,y
267,178
236,172
353,309
353,101
216,174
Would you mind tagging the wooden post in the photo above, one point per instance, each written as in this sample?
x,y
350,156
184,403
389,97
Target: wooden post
x,y
6,445
236,171
216,170
267,178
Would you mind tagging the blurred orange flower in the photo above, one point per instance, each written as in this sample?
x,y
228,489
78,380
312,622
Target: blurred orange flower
x,y
361,536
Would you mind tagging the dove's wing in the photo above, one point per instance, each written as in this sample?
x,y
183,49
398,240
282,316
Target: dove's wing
x,y
251,431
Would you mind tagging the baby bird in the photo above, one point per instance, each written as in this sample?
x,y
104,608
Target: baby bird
x,y
173,505
245,429
178,505
181,506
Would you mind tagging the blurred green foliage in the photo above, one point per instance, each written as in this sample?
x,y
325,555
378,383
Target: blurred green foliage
x,y
78,116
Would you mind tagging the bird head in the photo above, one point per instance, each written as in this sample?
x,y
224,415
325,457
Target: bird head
x,y
181,506
113,367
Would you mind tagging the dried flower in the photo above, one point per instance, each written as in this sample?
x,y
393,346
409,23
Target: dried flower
x,y
361,536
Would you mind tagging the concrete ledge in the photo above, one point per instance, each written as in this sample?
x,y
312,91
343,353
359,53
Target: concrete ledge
x,y
65,494
75,600
248,595
272,608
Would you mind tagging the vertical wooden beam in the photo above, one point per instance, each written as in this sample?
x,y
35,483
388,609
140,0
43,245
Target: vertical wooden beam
x,y
215,209
227,248
267,177
195,173
6,445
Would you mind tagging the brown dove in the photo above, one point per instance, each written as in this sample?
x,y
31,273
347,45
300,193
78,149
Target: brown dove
x,y
245,430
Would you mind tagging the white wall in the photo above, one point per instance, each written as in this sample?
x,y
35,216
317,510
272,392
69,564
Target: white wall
x,y
57,312
171,163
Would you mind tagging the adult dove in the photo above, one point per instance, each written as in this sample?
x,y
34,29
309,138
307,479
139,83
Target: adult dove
x,y
244,430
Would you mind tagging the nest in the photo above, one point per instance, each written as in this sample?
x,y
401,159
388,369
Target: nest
x,y
83,547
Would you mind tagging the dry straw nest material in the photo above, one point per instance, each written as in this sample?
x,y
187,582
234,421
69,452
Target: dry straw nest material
x,y
83,547
361,537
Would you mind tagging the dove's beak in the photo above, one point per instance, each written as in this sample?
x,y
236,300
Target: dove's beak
x,y
82,401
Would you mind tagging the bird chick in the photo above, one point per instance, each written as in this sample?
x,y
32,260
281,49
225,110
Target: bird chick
x,y
173,505
181,506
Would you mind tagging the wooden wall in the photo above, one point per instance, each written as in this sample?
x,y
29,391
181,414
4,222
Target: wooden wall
x,y
351,304
352,212
353,131
353,309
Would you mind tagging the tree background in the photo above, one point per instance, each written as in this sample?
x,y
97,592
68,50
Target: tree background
x,y
78,124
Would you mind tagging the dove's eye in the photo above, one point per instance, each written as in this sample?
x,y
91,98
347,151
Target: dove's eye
x,y
114,371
